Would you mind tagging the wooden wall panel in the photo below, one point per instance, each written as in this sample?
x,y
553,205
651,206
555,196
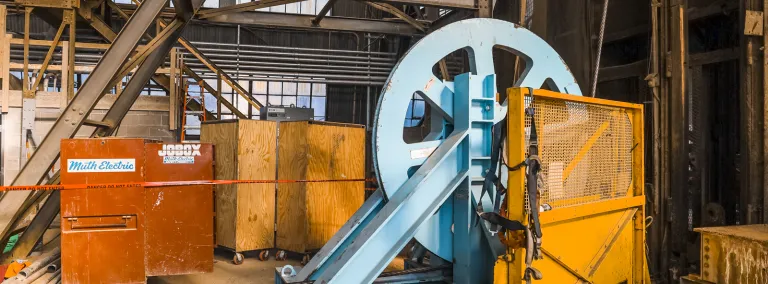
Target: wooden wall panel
x,y
222,136
256,202
291,213
334,152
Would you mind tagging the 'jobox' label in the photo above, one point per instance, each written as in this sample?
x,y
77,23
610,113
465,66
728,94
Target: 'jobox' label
x,y
101,165
179,153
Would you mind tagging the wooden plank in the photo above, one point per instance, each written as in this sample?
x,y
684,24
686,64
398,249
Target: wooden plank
x,y
223,137
173,106
634,69
256,202
248,6
334,152
714,56
753,23
291,200
47,43
6,71
54,99
65,76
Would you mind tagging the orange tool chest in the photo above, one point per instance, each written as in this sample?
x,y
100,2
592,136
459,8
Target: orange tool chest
x,y
123,234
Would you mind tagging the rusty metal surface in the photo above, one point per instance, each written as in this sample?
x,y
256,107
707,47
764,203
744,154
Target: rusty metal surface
x,y
734,254
179,222
121,235
102,230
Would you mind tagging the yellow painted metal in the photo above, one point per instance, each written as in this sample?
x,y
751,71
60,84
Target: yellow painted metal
x,y
734,254
591,152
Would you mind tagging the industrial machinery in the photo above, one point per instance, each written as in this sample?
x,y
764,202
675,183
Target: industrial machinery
x,y
546,185
286,113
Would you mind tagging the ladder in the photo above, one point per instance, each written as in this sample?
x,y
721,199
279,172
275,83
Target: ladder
x,y
199,113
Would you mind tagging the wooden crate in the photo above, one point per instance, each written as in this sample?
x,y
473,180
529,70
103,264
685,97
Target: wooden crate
x,y
310,213
245,213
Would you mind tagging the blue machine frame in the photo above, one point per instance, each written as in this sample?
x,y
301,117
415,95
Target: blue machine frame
x,y
430,189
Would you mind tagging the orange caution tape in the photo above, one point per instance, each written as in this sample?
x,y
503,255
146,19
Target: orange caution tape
x,y
165,183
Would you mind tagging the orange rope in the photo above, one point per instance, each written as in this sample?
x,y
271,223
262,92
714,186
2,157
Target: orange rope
x,y
164,183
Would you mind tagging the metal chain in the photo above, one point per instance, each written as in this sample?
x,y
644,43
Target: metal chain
x,y
599,49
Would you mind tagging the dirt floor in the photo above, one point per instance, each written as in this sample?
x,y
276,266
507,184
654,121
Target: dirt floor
x,y
224,272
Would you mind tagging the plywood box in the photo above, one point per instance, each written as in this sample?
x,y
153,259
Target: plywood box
x,y
245,213
310,213
306,215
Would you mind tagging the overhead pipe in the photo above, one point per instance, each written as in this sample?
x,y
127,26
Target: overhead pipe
x,y
304,75
267,58
294,54
299,80
297,48
281,68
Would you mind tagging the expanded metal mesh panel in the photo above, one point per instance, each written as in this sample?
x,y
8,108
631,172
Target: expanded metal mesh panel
x,y
585,151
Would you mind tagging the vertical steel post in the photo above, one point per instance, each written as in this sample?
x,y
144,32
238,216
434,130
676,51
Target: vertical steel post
x,y
765,107
678,130
653,80
751,116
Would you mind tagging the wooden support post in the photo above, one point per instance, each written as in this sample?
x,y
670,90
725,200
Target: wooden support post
x,y
119,88
70,50
653,80
25,72
751,105
221,94
49,55
3,53
765,109
66,75
6,71
678,127
175,82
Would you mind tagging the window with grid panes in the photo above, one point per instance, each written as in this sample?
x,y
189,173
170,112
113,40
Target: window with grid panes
x,y
415,113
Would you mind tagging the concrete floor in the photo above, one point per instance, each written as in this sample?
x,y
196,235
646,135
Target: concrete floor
x,y
225,272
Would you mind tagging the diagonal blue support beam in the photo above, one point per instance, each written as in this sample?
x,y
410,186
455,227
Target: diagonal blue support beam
x,y
343,236
389,231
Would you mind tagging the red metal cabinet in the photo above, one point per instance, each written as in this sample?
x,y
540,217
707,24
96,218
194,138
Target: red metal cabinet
x,y
102,229
121,235
182,244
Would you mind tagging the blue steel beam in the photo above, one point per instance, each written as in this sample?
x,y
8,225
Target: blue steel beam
x,y
393,158
397,222
431,185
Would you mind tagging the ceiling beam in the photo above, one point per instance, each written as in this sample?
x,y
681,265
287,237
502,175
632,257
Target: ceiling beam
x,y
398,13
244,7
297,21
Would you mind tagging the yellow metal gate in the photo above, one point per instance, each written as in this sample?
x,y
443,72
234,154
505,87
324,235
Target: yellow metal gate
x,y
591,195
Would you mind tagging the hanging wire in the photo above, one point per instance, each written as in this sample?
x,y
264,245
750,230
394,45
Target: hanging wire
x,y
599,49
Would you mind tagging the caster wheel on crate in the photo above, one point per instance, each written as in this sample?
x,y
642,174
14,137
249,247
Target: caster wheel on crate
x,y
305,259
264,255
238,258
281,255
